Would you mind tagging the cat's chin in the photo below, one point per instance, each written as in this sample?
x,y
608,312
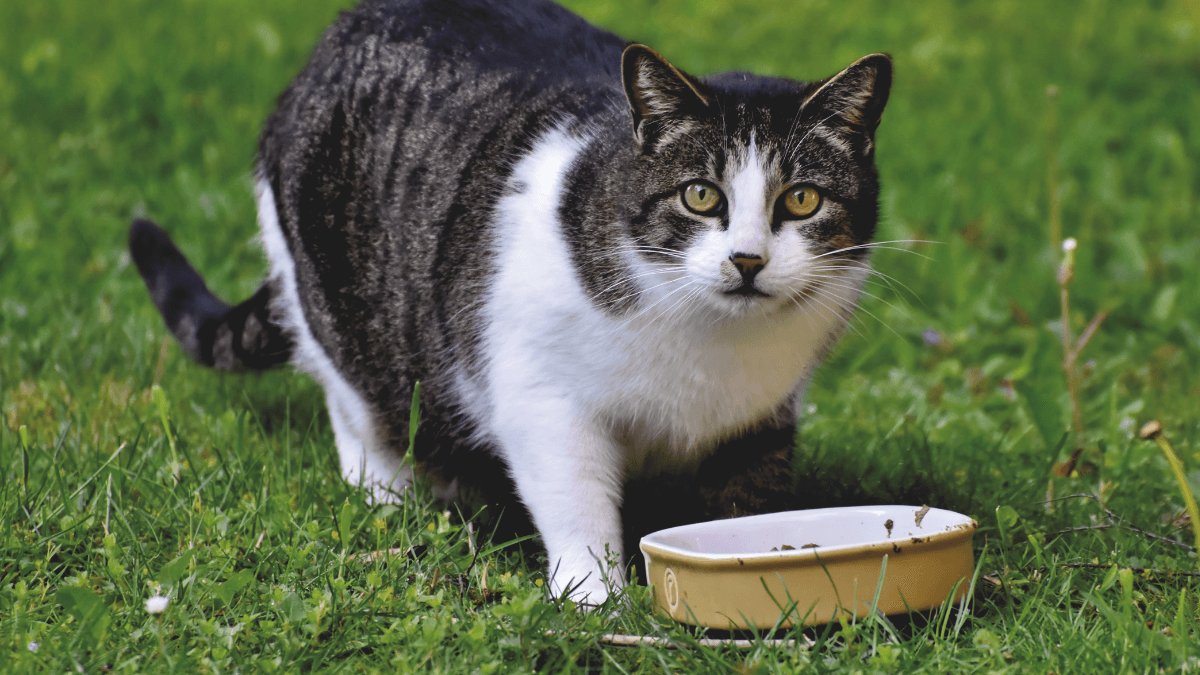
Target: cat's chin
x,y
739,303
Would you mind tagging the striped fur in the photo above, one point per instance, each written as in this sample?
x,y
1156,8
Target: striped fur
x,y
488,197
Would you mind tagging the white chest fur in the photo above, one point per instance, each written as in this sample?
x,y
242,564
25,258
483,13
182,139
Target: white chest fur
x,y
577,400
667,382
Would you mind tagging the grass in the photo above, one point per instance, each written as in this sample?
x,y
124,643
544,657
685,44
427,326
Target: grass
x,y
222,491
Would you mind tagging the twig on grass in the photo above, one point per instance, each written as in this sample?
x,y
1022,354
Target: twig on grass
x,y
1114,521
995,578
1131,528
1138,570
623,640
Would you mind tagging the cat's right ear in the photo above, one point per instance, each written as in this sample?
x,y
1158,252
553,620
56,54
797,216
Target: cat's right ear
x,y
851,103
660,95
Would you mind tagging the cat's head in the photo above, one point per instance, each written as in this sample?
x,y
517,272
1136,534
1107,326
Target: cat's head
x,y
753,193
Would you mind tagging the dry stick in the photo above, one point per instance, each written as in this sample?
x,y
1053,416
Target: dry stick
x,y
1110,526
1114,518
1108,566
1114,521
1139,570
622,640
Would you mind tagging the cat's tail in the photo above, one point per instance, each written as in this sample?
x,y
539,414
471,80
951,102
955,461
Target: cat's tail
x,y
215,334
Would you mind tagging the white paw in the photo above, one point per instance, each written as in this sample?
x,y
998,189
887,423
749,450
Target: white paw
x,y
589,584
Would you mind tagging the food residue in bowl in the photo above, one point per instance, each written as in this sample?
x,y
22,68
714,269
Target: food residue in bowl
x,y
789,547
920,514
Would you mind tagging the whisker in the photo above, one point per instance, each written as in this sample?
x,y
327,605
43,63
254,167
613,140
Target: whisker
x,y
686,298
860,308
659,301
639,275
467,306
840,282
816,126
825,281
787,144
880,245
639,292
813,297
888,280
653,249
691,288
630,279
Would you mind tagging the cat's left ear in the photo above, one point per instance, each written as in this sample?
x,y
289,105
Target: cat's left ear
x,y
852,102
661,96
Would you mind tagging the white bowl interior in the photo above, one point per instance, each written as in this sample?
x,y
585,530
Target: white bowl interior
x,y
827,528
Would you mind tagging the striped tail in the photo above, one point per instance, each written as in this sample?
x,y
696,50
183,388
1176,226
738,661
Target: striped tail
x,y
215,334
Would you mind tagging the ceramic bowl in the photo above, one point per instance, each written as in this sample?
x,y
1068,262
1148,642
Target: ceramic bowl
x,y
809,566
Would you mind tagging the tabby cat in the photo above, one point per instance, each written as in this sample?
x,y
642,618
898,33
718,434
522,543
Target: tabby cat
x,y
600,269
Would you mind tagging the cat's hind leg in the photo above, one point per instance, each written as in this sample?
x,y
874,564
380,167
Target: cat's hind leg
x,y
365,457
365,460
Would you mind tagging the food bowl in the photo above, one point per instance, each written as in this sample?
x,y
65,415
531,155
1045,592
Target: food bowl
x,y
809,566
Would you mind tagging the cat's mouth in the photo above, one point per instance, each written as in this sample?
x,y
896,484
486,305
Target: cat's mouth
x,y
747,291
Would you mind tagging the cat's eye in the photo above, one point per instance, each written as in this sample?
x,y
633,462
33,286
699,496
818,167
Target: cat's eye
x,y
802,201
700,197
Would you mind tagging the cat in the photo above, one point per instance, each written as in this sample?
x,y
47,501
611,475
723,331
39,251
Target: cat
x,y
600,269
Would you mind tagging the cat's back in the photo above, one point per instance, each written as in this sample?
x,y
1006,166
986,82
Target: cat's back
x,y
443,65
489,35
534,43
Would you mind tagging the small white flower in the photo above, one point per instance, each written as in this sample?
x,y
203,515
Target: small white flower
x,y
1069,244
157,603
33,646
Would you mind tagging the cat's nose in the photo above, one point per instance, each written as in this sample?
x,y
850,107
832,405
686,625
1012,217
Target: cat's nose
x,y
748,264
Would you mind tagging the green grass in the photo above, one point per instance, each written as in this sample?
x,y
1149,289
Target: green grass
x,y
110,110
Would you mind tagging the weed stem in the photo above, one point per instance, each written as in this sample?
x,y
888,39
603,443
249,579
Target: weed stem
x,y
1153,431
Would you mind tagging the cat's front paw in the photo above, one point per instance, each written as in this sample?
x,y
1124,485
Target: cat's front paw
x,y
588,585
589,594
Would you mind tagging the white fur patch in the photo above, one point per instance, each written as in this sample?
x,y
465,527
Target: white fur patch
x,y
578,401
749,207
566,469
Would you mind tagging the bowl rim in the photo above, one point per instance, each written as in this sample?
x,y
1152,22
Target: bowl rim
x,y
962,527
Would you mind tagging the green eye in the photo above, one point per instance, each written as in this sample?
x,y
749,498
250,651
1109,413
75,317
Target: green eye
x,y
802,201
701,197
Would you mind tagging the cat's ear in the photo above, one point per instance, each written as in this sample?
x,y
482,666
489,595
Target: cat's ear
x,y
660,95
851,103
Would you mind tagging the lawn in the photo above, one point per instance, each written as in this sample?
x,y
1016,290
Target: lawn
x,y
128,471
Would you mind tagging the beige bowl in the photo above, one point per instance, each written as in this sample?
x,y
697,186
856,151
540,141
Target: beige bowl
x,y
737,573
